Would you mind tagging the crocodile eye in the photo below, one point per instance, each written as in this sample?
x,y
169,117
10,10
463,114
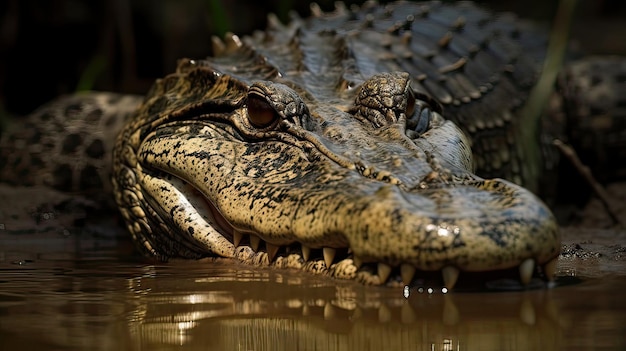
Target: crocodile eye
x,y
260,112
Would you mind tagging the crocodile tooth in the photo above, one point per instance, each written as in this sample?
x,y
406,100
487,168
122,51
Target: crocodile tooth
x,y
407,271
450,275
383,271
271,250
526,270
549,269
237,236
329,255
254,242
357,262
306,252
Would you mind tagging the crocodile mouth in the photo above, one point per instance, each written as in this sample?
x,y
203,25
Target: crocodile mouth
x,y
341,262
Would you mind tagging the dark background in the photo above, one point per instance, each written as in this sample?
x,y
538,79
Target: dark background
x,y
53,47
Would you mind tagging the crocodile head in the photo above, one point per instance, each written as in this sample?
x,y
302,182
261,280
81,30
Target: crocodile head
x,y
267,173
309,157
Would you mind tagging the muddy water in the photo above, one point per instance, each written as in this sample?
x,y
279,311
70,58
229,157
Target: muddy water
x,y
58,292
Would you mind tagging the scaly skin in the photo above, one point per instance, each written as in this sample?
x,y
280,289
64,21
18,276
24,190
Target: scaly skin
x,y
310,137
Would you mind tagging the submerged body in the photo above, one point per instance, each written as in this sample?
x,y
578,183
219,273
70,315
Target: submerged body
x,y
338,145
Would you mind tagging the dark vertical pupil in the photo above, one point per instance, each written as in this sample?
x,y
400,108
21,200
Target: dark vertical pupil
x,y
260,112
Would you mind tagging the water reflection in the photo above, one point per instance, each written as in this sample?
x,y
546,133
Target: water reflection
x,y
123,304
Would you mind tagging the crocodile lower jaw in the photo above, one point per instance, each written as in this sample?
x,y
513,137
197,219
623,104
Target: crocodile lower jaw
x,y
341,264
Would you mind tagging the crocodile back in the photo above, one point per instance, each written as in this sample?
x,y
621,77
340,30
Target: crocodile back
x,y
479,67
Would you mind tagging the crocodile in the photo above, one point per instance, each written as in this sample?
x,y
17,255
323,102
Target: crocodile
x,y
338,144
